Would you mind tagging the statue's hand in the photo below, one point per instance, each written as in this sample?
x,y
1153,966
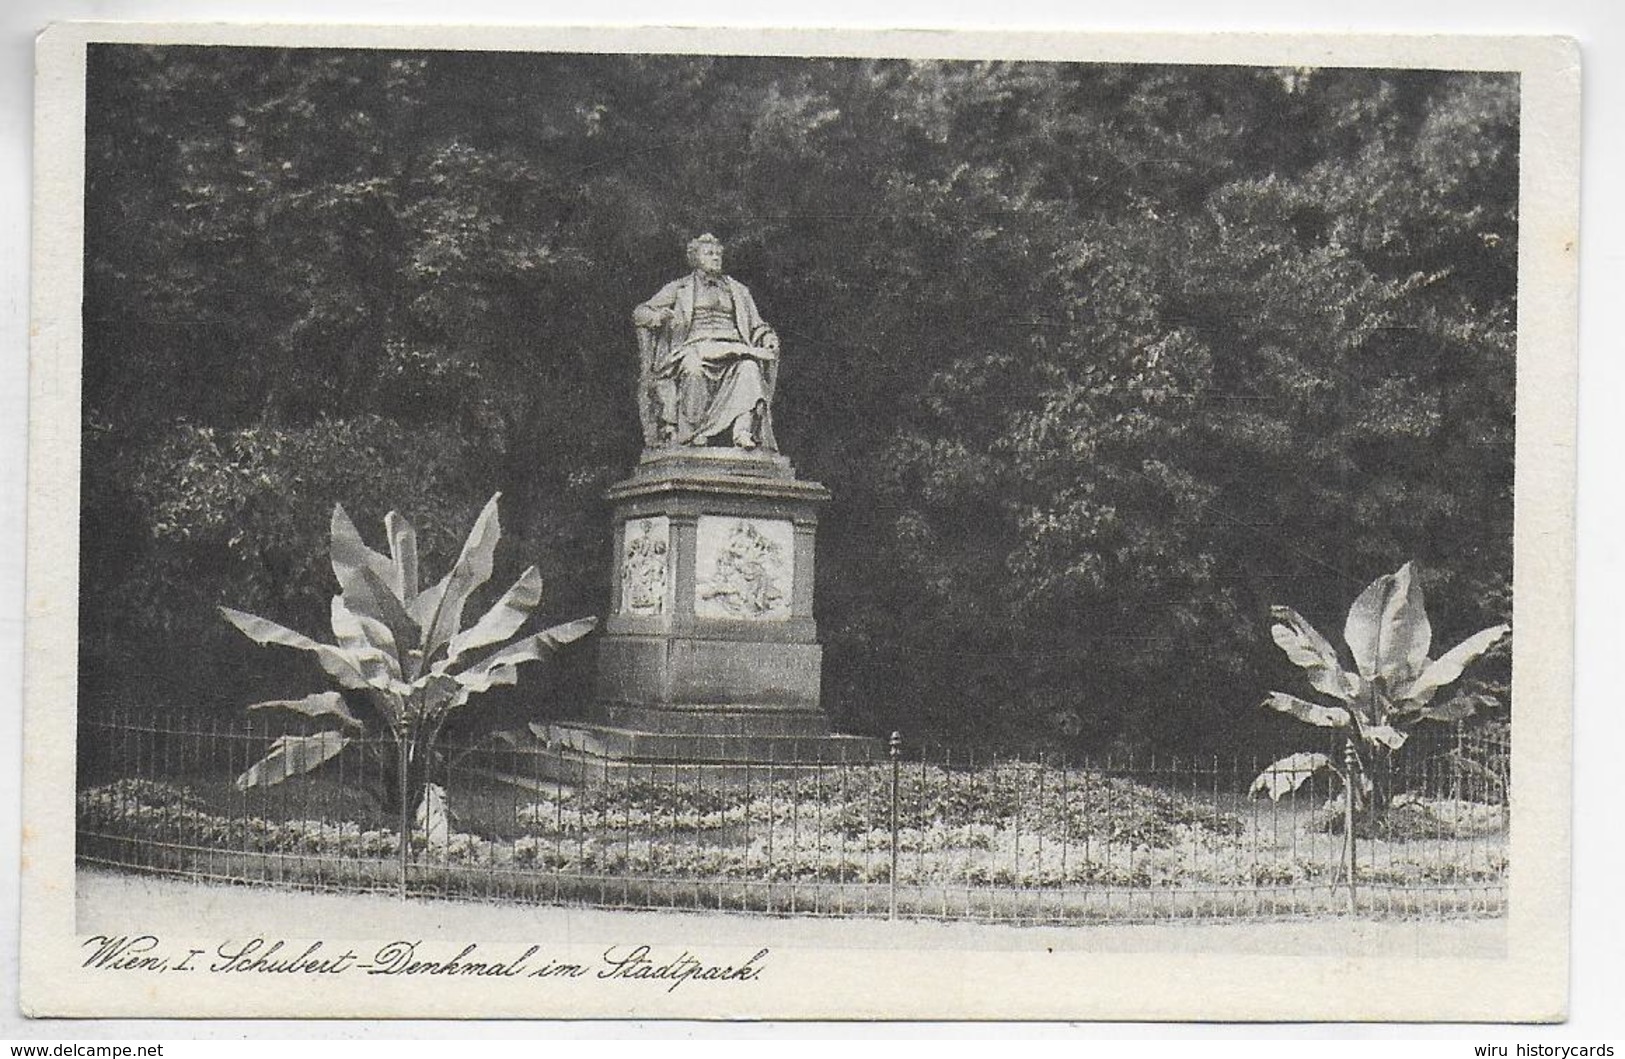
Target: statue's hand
x,y
770,342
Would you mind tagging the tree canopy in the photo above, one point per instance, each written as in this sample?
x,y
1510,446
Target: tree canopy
x,y
1099,361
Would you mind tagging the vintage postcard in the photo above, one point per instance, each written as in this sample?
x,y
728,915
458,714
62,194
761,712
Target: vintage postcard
x,y
675,523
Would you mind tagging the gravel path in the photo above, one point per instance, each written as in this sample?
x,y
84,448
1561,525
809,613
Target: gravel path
x,y
114,903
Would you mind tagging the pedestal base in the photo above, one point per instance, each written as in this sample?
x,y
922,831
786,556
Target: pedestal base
x,y
697,673
709,661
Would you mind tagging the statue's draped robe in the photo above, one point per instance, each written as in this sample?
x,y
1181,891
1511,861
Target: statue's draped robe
x,y
706,368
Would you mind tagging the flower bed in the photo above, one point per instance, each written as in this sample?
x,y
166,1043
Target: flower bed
x,y
1014,827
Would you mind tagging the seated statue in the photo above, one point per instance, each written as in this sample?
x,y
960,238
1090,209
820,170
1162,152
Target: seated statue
x,y
709,362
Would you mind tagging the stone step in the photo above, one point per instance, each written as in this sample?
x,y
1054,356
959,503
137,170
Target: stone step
x,y
630,744
705,719
562,766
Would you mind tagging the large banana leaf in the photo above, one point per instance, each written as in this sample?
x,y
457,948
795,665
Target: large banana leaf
x,y
1448,666
1309,712
1388,629
423,607
505,675
368,596
472,569
1456,708
370,641
503,619
371,583
403,552
293,755
349,552
322,705
1288,774
1385,734
335,662
1314,653
498,668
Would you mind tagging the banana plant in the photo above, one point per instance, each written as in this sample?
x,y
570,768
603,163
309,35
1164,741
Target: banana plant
x,y
1392,686
403,655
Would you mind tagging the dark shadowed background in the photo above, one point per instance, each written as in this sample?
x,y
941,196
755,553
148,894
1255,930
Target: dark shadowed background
x,y
1098,361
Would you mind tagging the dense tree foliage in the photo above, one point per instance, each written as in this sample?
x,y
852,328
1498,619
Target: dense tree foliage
x,y
1099,361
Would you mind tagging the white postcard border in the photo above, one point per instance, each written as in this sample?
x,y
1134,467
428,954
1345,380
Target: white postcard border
x,y
1529,983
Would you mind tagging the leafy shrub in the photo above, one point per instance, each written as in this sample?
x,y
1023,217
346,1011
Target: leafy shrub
x,y
403,657
1391,688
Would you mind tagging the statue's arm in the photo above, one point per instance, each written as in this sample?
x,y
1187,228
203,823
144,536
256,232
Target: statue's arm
x,y
649,320
761,334
655,313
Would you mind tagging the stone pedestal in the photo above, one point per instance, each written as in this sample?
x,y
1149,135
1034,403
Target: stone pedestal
x,y
709,655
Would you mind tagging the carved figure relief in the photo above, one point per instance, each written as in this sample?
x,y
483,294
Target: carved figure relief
x,y
744,568
644,566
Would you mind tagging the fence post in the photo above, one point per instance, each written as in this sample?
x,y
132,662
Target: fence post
x,y
405,757
894,747
250,840
1351,766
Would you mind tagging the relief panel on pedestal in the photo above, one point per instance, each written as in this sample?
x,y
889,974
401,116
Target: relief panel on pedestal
x,y
646,568
744,568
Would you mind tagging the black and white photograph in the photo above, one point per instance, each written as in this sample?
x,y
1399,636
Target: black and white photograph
x,y
581,523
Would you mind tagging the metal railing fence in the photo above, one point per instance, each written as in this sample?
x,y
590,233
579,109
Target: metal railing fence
x,y
934,832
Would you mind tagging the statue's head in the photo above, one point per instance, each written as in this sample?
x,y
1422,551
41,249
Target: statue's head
x,y
705,252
